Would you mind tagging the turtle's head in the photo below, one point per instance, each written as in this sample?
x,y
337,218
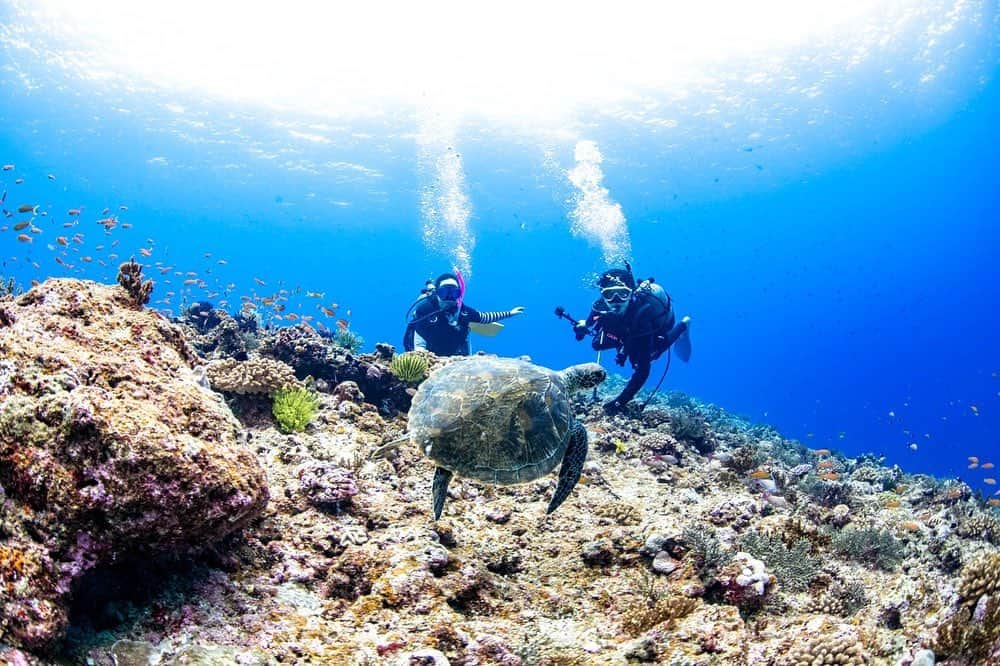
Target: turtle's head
x,y
584,376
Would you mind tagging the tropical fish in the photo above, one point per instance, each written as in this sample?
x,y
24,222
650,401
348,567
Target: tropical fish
x,y
51,176
62,240
993,501
21,225
987,465
975,410
973,459
27,208
105,211
315,294
144,252
990,481
973,465
19,181
24,238
328,312
8,167
259,281
343,324
830,476
756,474
73,211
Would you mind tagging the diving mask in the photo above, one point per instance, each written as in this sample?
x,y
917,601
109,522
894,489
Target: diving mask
x,y
448,292
617,294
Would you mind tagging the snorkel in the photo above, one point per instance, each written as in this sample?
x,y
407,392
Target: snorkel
x,y
461,288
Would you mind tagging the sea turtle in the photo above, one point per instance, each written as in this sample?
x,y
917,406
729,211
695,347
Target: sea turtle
x,y
502,421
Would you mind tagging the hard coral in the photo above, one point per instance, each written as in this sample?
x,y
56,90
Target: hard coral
x,y
830,647
130,278
255,375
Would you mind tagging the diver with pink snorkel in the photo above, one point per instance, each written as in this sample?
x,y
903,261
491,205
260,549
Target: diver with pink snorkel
x,y
441,322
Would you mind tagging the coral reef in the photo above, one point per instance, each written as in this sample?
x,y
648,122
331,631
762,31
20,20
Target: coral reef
x,y
693,536
109,448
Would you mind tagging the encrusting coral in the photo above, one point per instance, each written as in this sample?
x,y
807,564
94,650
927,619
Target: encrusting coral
x,y
108,447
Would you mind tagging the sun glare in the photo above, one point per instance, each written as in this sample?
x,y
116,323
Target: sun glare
x,y
519,58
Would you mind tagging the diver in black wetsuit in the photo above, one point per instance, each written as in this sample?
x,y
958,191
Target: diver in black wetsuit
x,y
440,321
638,321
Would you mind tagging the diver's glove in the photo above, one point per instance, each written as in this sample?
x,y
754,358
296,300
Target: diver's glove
x,y
580,330
613,407
517,310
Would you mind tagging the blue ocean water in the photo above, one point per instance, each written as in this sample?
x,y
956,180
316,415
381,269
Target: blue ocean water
x,y
830,224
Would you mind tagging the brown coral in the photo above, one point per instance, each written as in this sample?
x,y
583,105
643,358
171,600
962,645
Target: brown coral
x,y
130,278
831,646
255,375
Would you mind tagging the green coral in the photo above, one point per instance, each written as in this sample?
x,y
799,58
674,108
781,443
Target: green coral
x,y
294,408
705,550
794,567
349,340
409,367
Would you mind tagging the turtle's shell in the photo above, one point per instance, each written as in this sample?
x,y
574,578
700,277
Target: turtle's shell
x,y
498,420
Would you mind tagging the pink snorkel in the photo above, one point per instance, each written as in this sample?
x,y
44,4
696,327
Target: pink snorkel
x,y
461,288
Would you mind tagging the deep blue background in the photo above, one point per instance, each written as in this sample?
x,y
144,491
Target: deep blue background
x,y
834,277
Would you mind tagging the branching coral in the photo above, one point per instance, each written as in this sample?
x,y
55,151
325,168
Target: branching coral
x,y
294,408
705,551
869,546
794,567
130,278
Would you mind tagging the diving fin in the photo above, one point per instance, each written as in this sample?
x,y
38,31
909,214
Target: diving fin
x,y
488,330
682,346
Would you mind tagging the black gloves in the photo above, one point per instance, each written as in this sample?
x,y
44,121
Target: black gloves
x,y
580,330
613,407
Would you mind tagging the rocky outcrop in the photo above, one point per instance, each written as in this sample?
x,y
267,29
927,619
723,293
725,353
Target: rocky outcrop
x,y
110,448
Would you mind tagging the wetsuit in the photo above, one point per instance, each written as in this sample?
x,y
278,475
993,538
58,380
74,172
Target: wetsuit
x,y
644,331
446,334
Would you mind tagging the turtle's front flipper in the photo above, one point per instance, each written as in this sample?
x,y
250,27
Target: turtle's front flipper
x,y
572,465
440,489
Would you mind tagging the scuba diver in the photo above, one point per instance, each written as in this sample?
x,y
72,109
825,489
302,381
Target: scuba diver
x,y
441,321
638,321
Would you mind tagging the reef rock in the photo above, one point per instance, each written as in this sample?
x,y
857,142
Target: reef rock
x,y
110,448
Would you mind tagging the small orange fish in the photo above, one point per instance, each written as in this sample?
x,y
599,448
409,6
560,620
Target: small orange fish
x,y
756,475
993,501
190,282
975,410
86,259
973,459
822,452
987,466
830,476
291,316
990,481
62,241
328,312
21,225
8,167
27,208
105,211
259,281
973,465
144,252
126,225
24,238
73,211
68,225
826,464
343,324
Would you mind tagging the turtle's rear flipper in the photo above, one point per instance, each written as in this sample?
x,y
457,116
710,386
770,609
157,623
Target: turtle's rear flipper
x,y
440,489
572,466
